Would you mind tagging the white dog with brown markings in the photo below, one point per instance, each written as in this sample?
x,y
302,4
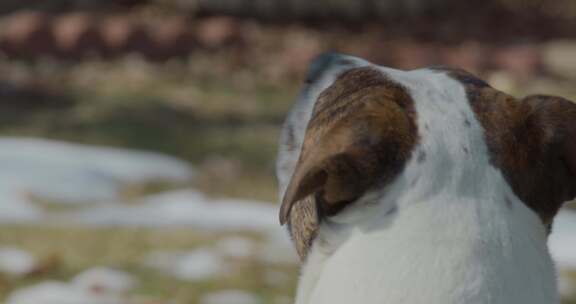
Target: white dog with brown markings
x,y
424,186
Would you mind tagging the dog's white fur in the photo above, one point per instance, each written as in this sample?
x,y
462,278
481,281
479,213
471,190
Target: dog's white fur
x,y
447,230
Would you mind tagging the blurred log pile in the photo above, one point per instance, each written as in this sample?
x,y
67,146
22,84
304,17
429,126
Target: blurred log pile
x,y
80,35
438,20
428,19
281,36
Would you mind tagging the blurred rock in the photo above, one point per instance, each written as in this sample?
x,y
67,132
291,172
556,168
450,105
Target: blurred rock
x,y
76,36
522,61
502,81
299,47
560,58
216,31
27,34
114,31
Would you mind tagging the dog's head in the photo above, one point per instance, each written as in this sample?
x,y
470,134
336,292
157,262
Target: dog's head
x,y
356,126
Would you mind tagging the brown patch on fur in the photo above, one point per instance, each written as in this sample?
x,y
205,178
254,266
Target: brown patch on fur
x,y
533,142
361,133
303,224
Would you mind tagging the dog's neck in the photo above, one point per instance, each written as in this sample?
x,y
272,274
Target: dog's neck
x,y
469,251
440,233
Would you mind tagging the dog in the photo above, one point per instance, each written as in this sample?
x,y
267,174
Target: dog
x,y
422,186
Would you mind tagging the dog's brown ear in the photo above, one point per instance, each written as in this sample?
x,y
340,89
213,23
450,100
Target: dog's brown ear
x,y
570,148
328,169
342,157
361,133
336,179
556,119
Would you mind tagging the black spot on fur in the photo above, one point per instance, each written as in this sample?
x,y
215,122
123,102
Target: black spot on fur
x,y
421,156
508,202
290,139
392,211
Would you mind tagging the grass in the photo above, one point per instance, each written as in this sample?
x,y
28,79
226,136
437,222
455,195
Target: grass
x,y
69,250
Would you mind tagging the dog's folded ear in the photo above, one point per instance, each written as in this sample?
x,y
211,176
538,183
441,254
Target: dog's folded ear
x,y
360,134
328,171
337,180
344,157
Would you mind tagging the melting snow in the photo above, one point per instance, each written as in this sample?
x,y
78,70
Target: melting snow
x,y
94,286
104,280
230,297
71,173
16,262
184,208
236,247
562,244
562,241
199,264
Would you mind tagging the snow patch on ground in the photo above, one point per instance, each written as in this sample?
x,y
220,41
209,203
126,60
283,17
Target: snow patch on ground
x,y
73,173
236,247
562,244
183,208
196,265
16,262
105,280
94,286
562,241
230,297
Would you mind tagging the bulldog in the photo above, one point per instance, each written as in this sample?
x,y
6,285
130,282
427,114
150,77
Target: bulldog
x,y
423,186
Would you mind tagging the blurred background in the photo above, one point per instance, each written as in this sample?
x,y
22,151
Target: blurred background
x,y
138,137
